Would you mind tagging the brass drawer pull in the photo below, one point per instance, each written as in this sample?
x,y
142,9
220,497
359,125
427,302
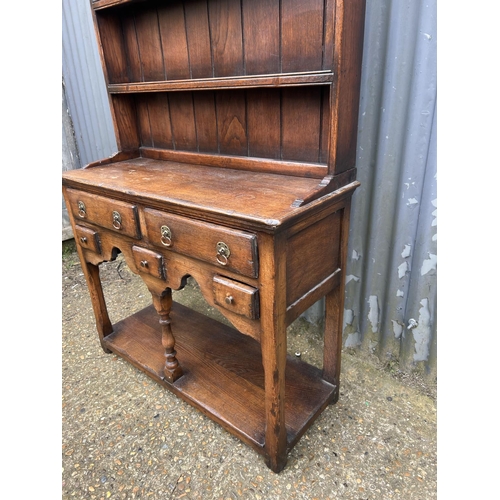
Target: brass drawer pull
x,y
223,253
83,239
82,210
166,236
144,263
229,299
117,220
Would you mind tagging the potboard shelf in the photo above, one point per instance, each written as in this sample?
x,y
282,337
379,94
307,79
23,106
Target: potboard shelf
x,y
222,370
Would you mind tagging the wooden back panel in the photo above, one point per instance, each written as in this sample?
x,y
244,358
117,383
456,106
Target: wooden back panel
x,y
272,80
265,123
176,40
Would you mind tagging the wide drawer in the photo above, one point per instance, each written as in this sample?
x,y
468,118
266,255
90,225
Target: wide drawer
x,y
226,248
116,215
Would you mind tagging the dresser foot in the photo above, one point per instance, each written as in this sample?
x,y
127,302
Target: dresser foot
x,y
276,464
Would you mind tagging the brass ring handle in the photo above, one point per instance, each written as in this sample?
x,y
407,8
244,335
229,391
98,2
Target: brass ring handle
x,y
117,220
223,253
221,262
166,236
82,211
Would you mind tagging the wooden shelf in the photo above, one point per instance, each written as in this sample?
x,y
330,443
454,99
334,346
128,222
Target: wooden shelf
x,y
223,373
252,81
103,4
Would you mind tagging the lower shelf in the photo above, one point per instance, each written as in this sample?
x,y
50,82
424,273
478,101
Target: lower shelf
x,y
223,373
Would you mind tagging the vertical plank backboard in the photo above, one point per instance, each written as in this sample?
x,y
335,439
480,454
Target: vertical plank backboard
x,y
182,119
301,117
174,41
206,121
142,110
301,35
263,117
150,49
231,122
132,49
198,39
261,36
159,119
226,37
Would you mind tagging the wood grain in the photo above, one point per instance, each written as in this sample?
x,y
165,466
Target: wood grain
x,y
226,37
174,42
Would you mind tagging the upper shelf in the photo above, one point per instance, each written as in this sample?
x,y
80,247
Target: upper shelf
x,y
252,81
102,4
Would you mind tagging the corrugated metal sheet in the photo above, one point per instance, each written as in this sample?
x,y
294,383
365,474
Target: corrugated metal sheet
x,y
85,86
391,285
70,159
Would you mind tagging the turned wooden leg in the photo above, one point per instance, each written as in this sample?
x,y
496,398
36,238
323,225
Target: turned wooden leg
x,y
163,303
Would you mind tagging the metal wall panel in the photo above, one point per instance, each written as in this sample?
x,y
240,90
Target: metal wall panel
x,y
390,307
84,80
391,284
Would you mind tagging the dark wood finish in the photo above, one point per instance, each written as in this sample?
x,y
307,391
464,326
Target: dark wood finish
x,y
236,124
200,239
111,214
253,81
223,369
149,262
87,238
236,296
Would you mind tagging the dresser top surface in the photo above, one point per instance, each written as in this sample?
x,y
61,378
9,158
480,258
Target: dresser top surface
x,y
262,197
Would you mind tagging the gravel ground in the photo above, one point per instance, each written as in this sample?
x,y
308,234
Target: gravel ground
x,y
125,437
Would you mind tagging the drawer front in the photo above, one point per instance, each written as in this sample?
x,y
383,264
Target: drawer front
x,y
112,214
87,238
226,248
149,262
236,297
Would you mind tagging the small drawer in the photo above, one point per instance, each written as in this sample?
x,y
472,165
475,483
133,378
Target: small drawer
x,y
116,215
226,248
236,297
149,262
87,238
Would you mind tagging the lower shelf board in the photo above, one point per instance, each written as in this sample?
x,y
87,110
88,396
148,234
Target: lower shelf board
x,y
223,373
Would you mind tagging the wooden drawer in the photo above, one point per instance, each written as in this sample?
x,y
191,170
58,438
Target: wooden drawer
x,y
224,247
149,262
87,238
236,297
112,214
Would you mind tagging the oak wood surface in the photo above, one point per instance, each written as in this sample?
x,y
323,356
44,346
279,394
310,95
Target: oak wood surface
x,y
237,192
236,124
223,370
199,239
310,78
236,296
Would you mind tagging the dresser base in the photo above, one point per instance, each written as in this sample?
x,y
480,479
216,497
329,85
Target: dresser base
x,y
223,373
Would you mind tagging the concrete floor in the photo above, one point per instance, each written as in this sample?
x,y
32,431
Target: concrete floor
x,y
125,437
